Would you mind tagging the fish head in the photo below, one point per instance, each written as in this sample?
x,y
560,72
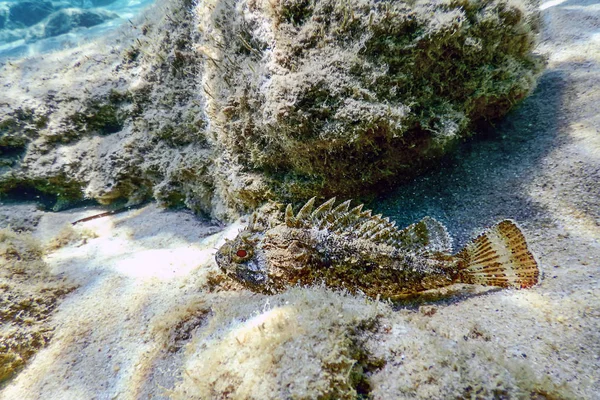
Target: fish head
x,y
244,260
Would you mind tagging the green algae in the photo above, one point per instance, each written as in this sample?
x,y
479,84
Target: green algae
x,y
363,95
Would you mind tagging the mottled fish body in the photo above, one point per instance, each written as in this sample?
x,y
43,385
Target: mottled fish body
x,y
352,249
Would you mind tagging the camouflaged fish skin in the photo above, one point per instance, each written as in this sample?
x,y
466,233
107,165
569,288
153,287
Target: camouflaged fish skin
x,y
351,249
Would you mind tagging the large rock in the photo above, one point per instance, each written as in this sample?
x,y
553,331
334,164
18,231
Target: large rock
x,y
264,101
335,98
121,125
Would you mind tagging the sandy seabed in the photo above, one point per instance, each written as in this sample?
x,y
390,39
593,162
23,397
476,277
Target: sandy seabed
x,y
152,319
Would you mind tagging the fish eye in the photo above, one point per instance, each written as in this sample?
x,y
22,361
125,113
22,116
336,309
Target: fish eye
x,y
242,254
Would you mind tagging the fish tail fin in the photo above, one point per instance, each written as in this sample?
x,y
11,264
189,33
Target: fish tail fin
x,y
499,257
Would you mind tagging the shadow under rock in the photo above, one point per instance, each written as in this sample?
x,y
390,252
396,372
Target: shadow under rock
x,y
486,180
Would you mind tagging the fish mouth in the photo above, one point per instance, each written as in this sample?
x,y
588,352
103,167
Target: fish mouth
x,y
252,273
221,258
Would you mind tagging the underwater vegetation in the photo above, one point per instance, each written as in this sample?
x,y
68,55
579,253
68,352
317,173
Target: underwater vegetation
x,y
28,296
220,106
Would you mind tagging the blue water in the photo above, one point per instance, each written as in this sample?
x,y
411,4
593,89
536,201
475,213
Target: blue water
x,y
31,27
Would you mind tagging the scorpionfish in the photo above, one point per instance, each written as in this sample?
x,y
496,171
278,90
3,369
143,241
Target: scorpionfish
x,y
351,249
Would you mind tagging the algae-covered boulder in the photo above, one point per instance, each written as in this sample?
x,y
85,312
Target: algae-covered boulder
x,y
333,97
117,121
220,106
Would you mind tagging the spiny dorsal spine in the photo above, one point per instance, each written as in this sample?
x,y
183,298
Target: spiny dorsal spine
x,y
342,220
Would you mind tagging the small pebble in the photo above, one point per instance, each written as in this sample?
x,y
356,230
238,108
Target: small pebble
x,y
428,310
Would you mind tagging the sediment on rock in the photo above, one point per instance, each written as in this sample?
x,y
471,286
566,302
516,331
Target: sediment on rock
x,y
292,349
28,296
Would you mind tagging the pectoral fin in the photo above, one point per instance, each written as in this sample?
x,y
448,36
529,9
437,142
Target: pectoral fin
x,y
426,235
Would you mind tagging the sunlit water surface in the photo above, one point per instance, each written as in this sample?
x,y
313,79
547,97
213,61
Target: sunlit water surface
x,y
19,37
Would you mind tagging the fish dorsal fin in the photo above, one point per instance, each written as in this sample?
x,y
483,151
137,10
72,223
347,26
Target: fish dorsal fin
x,y
306,210
426,235
357,223
337,219
364,229
439,238
342,207
356,211
323,209
290,220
